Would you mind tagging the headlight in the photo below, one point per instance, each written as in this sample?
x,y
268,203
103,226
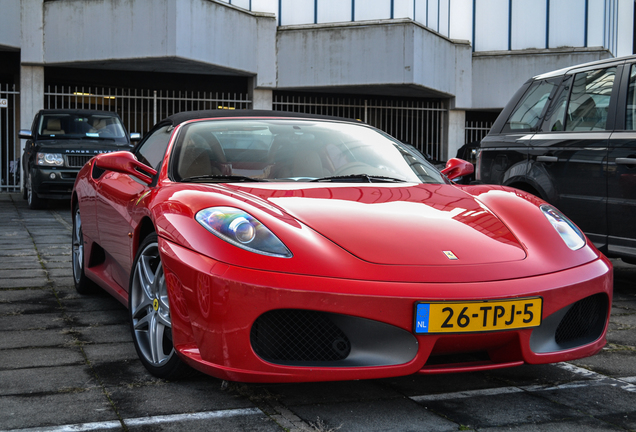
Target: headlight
x,y
243,230
50,159
571,235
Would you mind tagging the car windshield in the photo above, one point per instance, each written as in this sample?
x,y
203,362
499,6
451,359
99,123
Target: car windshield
x,y
90,126
295,150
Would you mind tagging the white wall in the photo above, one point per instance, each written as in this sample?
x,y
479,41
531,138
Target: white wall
x,y
491,26
529,25
196,31
403,9
372,9
297,12
365,54
498,27
10,23
572,34
497,77
625,20
333,11
461,12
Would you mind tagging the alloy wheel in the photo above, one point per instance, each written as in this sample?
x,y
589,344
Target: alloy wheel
x,y
77,247
150,309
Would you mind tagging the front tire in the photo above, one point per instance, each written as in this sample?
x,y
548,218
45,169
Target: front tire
x,y
34,202
149,310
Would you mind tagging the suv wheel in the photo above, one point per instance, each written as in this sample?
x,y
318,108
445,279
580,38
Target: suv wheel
x,y
35,202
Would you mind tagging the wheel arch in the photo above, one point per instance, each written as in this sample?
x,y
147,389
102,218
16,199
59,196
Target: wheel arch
x,y
526,187
74,201
145,228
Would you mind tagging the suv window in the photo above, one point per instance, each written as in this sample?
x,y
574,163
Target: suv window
x,y
555,115
630,120
68,125
589,100
527,113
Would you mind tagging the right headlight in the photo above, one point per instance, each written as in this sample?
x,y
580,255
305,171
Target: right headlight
x,y
50,159
571,235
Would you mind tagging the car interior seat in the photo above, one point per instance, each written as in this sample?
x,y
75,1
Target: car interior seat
x,y
202,156
295,159
53,127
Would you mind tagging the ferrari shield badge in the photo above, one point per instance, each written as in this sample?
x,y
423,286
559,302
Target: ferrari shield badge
x,y
450,255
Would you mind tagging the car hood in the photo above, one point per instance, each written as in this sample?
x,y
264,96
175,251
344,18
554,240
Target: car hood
x,y
409,225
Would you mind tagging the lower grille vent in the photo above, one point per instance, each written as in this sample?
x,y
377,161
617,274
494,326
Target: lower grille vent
x,y
291,335
584,321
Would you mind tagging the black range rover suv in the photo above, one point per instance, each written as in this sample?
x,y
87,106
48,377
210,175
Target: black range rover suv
x,y
59,143
569,137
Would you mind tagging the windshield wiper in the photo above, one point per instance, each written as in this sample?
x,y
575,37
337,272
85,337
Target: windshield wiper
x,y
359,178
220,178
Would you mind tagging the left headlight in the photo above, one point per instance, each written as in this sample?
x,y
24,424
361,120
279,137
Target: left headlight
x,y
50,159
242,230
571,235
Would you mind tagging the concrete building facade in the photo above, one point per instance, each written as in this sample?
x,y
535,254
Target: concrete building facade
x,y
436,64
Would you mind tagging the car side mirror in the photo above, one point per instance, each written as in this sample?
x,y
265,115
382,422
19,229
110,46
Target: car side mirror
x,y
135,136
125,163
457,168
25,134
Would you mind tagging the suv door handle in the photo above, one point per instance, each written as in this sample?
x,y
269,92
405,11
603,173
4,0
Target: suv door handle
x,y
550,159
625,161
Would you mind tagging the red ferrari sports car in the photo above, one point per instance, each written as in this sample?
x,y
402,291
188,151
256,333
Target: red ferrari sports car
x,y
265,246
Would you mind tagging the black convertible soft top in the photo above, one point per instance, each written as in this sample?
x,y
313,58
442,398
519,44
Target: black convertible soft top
x,y
181,117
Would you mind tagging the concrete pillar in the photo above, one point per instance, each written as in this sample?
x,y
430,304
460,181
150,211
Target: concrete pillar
x,y
456,130
31,100
31,60
31,93
262,98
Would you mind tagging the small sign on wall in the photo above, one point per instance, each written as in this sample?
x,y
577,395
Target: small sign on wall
x,y
4,103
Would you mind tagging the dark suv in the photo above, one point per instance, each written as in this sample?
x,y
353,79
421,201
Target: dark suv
x,y
59,143
569,136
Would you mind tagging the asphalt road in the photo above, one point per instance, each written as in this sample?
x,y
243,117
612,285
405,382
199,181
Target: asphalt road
x,y
67,363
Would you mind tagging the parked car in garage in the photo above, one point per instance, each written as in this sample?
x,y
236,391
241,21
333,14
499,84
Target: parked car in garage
x,y
569,137
59,143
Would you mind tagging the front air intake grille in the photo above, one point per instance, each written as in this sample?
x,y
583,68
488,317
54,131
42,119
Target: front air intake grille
x,y
297,336
584,321
76,161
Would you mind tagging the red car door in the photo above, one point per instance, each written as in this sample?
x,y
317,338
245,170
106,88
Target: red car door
x,y
117,195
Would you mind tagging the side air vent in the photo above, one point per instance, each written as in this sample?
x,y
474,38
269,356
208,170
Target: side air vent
x,y
575,325
584,321
290,335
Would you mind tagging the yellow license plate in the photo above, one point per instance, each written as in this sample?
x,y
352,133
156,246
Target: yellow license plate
x,y
481,316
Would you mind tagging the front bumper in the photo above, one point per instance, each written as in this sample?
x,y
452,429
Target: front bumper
x,y
53,183
214,308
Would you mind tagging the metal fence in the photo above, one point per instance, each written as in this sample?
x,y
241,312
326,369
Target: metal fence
x,y
417,122
9,142
476,130
140,109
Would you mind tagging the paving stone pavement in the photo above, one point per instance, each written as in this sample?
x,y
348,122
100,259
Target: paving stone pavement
x,y
67,363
